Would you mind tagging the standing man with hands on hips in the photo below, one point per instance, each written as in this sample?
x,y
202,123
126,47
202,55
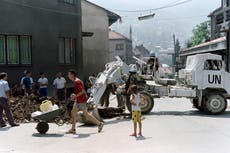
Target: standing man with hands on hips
x,y
60,87
4,101
80,98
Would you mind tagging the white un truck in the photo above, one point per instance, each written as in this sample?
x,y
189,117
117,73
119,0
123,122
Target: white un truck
x,y
204,81
205,74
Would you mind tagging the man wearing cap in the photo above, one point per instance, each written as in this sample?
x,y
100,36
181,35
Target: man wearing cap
x,y
132,80
153,62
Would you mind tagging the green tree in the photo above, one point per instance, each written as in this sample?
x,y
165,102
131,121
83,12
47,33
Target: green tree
x,y
201,33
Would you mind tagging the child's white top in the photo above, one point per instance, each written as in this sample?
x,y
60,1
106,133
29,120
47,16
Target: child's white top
x,y
137,100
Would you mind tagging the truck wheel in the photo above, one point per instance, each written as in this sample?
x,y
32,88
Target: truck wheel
x,y
195,103
215,103
146,107
42,127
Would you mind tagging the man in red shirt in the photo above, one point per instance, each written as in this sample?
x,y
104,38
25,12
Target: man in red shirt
x,y
80,98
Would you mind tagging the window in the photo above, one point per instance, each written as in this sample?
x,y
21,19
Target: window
x,y
2,50
213,65
67,50
25,52
12,50
15,50
119,46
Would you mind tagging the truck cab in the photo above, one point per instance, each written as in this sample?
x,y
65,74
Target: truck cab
x,y
206,73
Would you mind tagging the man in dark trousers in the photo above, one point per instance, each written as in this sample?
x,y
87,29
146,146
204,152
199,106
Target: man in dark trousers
x,y
4,101
106,95
28,83
80,98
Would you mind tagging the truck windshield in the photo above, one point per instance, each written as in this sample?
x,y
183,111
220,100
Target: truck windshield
x,y
191,62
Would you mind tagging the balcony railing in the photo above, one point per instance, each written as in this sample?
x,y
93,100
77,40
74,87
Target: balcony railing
x,y
222,18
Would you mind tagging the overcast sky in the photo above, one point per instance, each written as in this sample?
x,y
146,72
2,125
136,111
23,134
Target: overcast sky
x,y
192,7
180,19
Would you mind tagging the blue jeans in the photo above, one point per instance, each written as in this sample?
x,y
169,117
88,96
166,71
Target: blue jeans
x,y
43,92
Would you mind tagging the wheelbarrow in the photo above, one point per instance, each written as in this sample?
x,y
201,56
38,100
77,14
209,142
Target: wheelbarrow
x,y
44,119
56,116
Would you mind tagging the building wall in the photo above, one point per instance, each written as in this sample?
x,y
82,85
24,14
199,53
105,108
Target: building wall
x,y
125,53
113,49
45,21
95,48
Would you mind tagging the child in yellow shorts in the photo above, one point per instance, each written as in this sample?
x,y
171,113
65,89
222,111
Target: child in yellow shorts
x,y
135,100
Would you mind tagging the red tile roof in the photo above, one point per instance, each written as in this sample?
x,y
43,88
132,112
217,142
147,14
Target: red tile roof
x,y
116,35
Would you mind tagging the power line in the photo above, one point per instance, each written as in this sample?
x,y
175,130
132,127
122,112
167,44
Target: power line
x,y
182,18
170,19
41,8
172,4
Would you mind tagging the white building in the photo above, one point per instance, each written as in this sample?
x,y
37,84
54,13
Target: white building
x,y
121,46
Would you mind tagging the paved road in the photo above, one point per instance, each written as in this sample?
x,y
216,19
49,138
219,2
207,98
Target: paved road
x,y
172,127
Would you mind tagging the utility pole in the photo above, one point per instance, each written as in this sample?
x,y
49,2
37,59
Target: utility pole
x,y
131,39
174,54
130,33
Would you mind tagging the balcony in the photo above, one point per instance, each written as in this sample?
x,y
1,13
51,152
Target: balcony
x,y
213,46
222,18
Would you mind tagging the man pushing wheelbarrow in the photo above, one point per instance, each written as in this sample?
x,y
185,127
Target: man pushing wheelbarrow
x,y
80,98
58,115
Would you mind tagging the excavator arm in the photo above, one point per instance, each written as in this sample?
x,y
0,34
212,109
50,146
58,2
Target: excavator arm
x,y
113,71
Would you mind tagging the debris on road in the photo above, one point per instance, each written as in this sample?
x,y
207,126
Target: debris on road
x,y
23,107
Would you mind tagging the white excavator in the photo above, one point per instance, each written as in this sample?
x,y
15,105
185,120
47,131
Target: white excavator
x,y
113,71
204,81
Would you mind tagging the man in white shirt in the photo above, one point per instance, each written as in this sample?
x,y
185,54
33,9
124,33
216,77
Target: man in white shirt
x,y
60,87
43,82
4,101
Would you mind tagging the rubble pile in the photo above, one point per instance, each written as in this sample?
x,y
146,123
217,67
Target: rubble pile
x,y
23,107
